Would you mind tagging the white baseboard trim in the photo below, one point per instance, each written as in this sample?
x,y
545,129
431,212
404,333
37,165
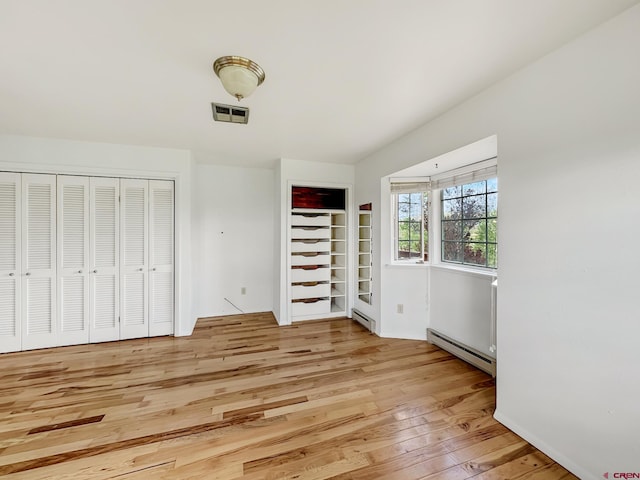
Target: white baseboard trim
x,y
545,448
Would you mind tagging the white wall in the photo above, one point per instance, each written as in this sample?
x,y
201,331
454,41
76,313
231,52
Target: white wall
x,y
304,172
233,239
569,163
279,252
30,154
406,286
460,306
396,285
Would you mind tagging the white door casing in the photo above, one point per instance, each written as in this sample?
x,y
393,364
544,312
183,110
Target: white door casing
x,y
84,259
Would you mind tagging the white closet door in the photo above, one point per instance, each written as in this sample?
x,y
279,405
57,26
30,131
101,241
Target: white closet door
x,y
38,290
134,259
160,257
10,338
73,260
104,260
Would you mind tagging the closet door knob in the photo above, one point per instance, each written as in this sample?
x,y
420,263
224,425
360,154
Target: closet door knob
x,y
79,271
28,274
11,274
153,269
141,269
95,271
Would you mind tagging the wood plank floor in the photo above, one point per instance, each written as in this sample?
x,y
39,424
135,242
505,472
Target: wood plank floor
x,y
244,398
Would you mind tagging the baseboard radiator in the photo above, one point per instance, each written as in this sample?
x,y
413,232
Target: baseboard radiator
x,y
462,351
362,319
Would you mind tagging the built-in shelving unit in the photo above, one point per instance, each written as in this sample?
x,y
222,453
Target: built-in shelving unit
x,y
338,262
364,254
318,246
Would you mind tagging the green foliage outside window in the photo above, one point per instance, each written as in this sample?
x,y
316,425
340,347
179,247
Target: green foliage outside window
x,y
412,232
469,223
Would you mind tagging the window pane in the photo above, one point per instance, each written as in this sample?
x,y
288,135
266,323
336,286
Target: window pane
x,y
411,213
452,251
469,223
414,230
451,209
492,255
416,211
475,253
474,207
403,211
403,249
416,198
492,230
452,192
492,205
474,230
404,231
425,226
474,188
452,230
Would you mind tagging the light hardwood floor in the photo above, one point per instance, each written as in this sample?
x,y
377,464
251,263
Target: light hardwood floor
x,y
244,398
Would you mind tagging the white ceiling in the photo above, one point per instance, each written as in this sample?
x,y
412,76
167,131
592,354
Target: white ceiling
x,y
343,77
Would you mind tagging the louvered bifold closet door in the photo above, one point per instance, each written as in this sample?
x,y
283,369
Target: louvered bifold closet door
x,y
73,259
134,258
161,257
39,328
10,338
104,260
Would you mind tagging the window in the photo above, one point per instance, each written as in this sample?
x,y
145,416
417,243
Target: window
x,y
412,239
469,223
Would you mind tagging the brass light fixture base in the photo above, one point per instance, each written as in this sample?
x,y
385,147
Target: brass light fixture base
x,y
242,77
233,60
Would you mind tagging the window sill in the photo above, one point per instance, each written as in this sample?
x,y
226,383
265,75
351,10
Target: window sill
x,y
407,265
465,269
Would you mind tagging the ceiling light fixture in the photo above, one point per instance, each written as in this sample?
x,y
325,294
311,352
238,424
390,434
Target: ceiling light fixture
x,y
239,76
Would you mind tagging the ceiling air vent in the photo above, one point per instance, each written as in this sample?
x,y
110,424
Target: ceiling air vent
x,y
229,113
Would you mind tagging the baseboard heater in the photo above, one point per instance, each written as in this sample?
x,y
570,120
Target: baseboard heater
x,y
463,352
362,319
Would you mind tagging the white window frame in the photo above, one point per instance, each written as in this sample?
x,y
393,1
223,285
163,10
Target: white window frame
x,y
410,187
432,187
461,220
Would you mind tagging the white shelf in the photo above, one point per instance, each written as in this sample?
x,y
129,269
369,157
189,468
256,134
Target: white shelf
x,y
338,304
310,233
310,219
337,275
317,211
318,237
364,255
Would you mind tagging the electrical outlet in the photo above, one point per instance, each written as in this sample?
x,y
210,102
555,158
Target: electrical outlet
x,y
243,291
400,308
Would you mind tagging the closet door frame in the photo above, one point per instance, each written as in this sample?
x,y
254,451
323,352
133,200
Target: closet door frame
x,y
11,277
180,180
